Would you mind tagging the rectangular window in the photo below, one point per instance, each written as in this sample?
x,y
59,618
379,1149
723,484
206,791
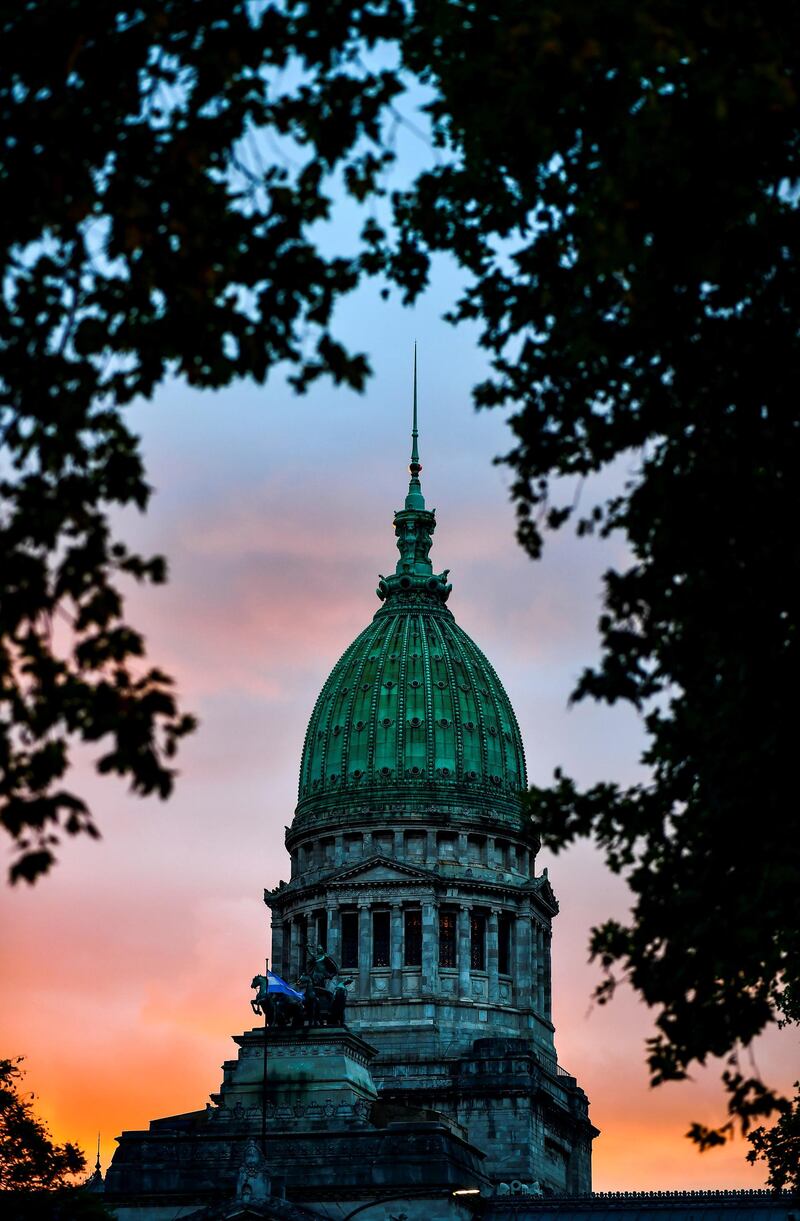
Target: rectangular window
x,y
447,845
383,842
353,845
413,939
415,844
380,939
477,941
349,927
475,849
447,939
504,943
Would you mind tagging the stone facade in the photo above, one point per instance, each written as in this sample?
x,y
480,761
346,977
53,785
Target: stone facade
x,y
331,1144
464,1027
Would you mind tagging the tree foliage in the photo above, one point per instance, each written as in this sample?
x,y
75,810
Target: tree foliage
x,y
36,1175
779,1146
620,185
29,1159
130,251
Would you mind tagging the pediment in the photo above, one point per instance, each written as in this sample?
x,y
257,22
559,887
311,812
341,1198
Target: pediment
x,y
381,869
544,891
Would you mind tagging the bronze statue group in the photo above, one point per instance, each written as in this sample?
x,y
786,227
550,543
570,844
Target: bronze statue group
x,y
318,999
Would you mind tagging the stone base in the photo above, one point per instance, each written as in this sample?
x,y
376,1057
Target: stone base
x,y
528,1115
308,1067
328,1139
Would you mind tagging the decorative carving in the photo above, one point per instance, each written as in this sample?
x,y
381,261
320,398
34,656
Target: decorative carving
x,y
252,1181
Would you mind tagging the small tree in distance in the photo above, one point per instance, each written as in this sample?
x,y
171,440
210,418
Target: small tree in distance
x,y
29,1159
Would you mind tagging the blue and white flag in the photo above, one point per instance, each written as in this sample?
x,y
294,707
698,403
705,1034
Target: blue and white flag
x,y
276,984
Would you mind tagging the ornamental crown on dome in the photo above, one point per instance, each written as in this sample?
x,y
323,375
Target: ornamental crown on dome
x,y
412,715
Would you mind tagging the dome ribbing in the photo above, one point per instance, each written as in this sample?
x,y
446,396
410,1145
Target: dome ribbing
x,y
412,714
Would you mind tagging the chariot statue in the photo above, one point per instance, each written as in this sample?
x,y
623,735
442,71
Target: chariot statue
x,y
319,998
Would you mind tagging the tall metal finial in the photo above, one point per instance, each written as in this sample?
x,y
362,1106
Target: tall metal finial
x,y
413,527
415,499
97,1163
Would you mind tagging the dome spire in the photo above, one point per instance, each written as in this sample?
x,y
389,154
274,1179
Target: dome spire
x,y
414,525
415,499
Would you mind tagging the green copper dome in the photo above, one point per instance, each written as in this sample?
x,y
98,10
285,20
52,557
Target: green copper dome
x,y
412,714
414,705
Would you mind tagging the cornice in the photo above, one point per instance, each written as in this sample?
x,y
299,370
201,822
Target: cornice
x,y
414,879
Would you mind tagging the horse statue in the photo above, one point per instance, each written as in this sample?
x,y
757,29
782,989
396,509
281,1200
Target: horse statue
x,y
279,1007
318,1000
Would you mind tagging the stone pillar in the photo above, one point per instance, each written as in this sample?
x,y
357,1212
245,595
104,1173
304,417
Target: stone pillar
x,y
399,846
276,950
334,932
430,849
430,949
366,844
364,949
396,949
294,951
462,849
464,952
541,969
547,939
492,954
338,850
523,964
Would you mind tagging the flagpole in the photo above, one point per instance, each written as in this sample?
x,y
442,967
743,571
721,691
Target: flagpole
x,y
264,1082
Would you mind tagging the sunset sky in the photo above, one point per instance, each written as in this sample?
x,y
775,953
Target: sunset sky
x,y
127,970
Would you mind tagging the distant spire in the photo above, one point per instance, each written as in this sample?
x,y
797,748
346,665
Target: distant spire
x,y
415,499
95,1179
